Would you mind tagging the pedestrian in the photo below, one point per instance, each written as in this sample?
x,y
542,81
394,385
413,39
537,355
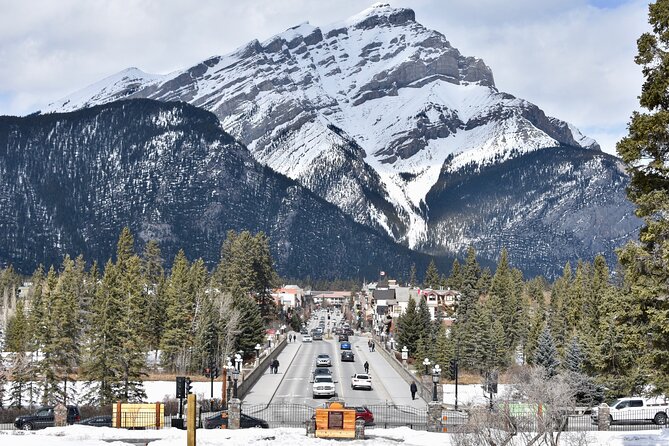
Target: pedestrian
x,y
366,367
271,366
414,389
276,366
369,344
373,346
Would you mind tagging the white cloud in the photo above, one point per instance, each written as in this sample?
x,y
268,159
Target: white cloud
x,y
573,60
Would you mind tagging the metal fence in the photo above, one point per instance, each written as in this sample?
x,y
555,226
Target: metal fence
x,y
391,415
281,415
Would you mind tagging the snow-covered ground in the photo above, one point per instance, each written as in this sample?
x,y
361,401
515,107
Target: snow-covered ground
x,y
94,436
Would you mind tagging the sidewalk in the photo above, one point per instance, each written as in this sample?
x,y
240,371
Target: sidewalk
x,y
268,384
396,387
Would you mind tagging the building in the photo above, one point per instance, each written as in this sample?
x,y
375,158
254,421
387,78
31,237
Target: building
x,y
288,297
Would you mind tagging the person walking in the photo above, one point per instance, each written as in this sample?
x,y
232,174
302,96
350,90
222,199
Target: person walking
x,y
366,367
369,344
414,389
276,366
373,346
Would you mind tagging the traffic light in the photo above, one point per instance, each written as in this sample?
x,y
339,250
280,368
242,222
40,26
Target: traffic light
x,y
189,386
453,368
181,386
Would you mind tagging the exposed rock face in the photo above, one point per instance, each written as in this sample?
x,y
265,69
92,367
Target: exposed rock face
x,y
71,182
369,114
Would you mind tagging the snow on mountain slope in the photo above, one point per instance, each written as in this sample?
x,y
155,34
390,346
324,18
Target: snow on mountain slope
x,y
364,112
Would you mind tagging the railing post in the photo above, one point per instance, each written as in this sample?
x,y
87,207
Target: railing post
x,y
360,429
603,420
434,410
234,413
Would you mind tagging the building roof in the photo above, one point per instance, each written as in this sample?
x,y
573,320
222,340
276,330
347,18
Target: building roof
x,y
384,294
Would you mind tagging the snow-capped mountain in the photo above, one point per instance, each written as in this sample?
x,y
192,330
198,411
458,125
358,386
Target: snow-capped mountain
x,y
372,114
70,182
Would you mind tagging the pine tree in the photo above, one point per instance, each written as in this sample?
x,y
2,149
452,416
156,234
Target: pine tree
x,y
17,333
546,354
409,328
454,280
20,370
432,278
644,152
100,368
154,276
251,330
425,320
176,341
573,360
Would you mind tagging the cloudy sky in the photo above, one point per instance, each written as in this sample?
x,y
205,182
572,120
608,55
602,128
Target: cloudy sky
x,y
573,58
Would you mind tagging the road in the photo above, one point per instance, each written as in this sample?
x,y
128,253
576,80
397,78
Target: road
x,y
290,391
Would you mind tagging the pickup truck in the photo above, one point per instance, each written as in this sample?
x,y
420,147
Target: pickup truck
x,y
323,386
635,409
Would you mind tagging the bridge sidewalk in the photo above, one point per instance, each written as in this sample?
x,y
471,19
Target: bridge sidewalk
x,y
396,387
268,384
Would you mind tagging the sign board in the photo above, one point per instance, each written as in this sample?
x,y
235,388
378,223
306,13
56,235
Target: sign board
x,y
335,421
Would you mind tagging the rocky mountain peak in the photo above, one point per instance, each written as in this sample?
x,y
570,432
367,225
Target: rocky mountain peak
x,y
381,14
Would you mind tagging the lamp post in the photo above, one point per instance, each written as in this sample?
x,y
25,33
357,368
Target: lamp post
x,y
257,349
426,363
235,377
238,362
405,355
436,376
228,384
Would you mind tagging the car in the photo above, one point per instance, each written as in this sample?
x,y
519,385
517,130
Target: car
x,y
45,417
306,338
323,360
323,386
361,381
345,345
304,331
99,421
343,337
322,371
220,421
318,336
347,356
363,413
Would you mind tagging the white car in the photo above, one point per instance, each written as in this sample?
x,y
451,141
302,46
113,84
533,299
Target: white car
x,y
323,360
361,381
323,386
306,338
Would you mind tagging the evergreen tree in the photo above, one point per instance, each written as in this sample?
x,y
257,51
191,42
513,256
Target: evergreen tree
x,y
409,328
176,342
154,276
100,369
425,320
645,152
251,330
546,354
20,370
574,356
17,333
432,278
454,280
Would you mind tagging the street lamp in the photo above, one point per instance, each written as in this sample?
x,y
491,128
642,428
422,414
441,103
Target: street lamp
x,y
235,377
238,362
426,363
405,355
257,349
436,376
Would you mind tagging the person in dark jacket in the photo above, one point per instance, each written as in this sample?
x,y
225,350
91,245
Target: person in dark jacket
x,y
414,389
366,367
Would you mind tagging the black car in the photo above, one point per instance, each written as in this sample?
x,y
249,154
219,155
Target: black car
x,y
343,337
347,356
220,421
322,371
99,421
44,417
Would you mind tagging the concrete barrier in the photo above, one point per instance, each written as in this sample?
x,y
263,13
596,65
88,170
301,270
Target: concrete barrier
x,y
254,375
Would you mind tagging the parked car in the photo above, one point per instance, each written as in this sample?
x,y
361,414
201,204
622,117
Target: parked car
x,y
635,409
362,412
345,345
347,356
220,421
44,417
361,381
323,386
99,421
323,360
306,338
